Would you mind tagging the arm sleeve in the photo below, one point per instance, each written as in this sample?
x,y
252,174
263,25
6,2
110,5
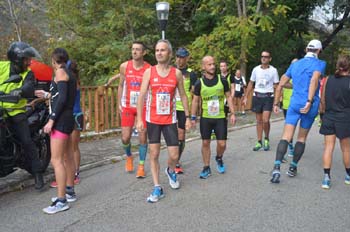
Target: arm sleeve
x,y
62,87
28,86
197,88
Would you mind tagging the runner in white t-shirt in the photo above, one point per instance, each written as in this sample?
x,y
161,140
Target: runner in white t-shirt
x,y
264,78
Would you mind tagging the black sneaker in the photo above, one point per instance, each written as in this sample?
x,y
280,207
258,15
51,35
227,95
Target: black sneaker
x,y
276,174
292,171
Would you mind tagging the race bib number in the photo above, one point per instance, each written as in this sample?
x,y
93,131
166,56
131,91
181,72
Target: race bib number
x,y
213,107
238,87
262,83
133,98
163,104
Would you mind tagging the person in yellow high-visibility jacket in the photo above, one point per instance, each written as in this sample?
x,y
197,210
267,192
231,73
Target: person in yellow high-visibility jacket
x,y
19,57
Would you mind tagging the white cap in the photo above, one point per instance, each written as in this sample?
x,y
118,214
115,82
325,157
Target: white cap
x,y
314,44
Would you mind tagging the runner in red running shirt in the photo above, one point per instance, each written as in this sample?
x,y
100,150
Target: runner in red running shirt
x,y
131,73
161,81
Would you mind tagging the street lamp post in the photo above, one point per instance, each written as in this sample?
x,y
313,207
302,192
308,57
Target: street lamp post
x,y
162,15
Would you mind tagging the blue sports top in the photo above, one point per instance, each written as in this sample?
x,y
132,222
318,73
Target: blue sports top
x,y
301,73
77,108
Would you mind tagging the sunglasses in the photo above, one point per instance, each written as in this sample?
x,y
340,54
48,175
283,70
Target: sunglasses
x,y
265,56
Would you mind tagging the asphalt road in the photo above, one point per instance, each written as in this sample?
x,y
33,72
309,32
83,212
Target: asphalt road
x,y
242,199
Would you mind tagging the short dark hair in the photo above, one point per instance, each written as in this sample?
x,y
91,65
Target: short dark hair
x,y
141,43
223,61
267,52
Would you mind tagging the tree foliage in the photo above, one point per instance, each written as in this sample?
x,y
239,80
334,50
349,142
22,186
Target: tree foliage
x,y
98,33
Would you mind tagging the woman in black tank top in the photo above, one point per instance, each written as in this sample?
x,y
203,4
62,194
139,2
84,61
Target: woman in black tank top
x,y
335,101
60,125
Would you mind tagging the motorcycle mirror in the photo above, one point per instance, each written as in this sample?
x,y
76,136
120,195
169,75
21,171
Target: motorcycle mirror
x,y
13,79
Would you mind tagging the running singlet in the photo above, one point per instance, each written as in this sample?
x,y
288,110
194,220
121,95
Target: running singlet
x,y
187,86
213,100
160,105
132,84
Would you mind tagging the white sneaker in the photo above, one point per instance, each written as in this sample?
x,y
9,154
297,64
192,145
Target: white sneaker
x,y
56,207
173,181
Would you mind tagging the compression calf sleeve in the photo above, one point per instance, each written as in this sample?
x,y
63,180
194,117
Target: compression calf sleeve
x,y
142,153
299,148
281,151
127,149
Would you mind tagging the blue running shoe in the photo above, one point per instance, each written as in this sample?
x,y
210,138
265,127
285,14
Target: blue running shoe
x,y
220,166
156,194
173,181
276,174
347,179
205,173
326,183
290,150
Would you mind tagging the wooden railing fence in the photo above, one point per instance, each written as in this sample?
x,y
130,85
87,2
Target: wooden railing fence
x,y
100,107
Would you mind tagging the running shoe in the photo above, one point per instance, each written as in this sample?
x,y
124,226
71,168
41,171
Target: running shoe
x,y
140,171
173,181
76,180
178,169
292,171
290,150
257,147
156,194
69,197
129,164
205,173
55,207
347,179
53,184
220,166
266,145
276,174
326,183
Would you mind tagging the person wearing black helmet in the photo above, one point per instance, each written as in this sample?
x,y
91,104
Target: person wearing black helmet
x,y
19,57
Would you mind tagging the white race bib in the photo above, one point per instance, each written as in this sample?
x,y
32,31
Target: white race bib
x,y
163,103
238,87
133,98
262,83
213,107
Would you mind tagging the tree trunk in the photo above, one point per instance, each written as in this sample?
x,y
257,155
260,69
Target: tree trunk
x,y
15,20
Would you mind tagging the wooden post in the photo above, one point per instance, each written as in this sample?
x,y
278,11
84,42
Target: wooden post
x,y
107,112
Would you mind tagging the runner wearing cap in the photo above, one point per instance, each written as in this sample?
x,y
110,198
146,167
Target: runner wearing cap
x,y
303,107
189,79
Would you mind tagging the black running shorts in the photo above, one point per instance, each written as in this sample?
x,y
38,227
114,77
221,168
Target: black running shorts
x,y
169,133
